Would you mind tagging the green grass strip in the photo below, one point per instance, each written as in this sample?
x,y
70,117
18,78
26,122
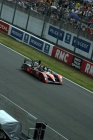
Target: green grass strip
x,y
58,67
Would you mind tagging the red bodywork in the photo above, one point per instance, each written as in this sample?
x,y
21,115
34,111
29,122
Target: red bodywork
x,y
44,76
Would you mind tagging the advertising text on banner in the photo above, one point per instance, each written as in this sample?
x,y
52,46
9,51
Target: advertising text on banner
x,y
62,55
4,27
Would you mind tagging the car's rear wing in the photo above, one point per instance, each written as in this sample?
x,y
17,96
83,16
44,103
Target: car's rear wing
x,y
32,61
25,60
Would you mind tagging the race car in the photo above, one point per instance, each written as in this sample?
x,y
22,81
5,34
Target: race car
x,y
41,72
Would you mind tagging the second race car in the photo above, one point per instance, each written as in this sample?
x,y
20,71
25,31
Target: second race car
x,y
41,72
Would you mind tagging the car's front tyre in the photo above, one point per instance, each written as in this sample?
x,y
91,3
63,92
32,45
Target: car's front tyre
x,y
41,78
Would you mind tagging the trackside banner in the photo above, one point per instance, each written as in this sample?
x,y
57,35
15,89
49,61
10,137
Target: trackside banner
x,y
76,62
87,68
17,33
81,44
62,55
73,61
36,43
47,48
4,27
54,33
69,39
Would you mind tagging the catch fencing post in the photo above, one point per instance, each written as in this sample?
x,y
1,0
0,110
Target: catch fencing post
x,y
1,7
60,26
44,21
28,16
14,12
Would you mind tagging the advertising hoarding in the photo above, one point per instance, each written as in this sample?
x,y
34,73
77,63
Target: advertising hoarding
x,y
76,62
81,44
55,31
36,43
62,55
68,38
46,48
16,33
87,68
4,27
26,38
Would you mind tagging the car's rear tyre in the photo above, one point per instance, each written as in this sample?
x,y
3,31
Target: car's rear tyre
x,y
24,68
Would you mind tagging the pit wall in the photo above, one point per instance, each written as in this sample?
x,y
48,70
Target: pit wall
x,y
53,51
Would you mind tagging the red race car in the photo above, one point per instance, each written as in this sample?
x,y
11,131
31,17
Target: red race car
x,y
41,72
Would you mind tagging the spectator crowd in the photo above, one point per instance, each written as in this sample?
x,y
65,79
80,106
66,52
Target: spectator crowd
x,y
72,11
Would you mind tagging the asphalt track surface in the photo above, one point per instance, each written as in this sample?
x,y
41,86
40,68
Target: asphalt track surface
x,y
67,108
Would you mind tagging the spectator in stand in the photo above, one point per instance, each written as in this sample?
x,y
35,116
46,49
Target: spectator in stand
x,y
91,21
63,9
77,5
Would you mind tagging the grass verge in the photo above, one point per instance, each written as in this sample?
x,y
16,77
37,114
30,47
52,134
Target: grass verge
x,y
58,67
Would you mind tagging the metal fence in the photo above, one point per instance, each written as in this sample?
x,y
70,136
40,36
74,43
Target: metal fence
x,y
47,16
27,120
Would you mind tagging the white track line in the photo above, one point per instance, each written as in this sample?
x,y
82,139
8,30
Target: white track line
x,y
18,106
78,85
22,108
63,77
57,133
31,115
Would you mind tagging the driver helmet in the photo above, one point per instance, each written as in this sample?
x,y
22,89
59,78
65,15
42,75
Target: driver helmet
x,y
39,62
44,68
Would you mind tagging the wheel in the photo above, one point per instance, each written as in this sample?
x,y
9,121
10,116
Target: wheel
x,y
41,78
23,68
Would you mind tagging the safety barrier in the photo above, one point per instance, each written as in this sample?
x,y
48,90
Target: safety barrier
x,y
55,52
